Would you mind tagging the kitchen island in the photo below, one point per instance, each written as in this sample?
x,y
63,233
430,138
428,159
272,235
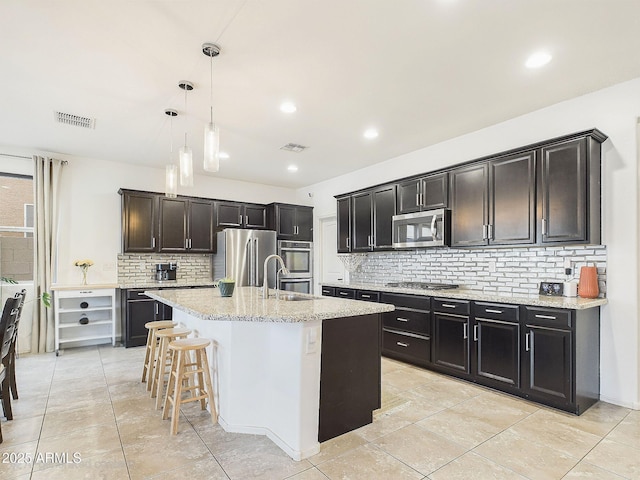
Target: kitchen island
x,y
299,369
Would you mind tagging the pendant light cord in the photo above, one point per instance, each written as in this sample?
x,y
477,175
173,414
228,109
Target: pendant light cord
x,y
185,116
211,85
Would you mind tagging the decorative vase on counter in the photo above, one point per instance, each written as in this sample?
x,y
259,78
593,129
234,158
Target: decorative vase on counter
x,y
226,288
588,286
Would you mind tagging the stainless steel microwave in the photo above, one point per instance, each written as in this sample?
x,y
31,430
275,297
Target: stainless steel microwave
x,y
430,228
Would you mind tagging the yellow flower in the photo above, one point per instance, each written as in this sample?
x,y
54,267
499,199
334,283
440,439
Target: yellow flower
x,y
83,263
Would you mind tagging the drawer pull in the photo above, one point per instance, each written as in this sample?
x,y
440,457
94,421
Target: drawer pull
x,y
465,331
526,342
365,296
475,333
141,294
344,294
489,310
448,305
400,319
401,344
547,317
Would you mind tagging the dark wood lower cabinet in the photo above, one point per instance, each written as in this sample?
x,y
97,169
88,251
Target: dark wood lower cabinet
x,y
349,374
451,342
496,357
136,310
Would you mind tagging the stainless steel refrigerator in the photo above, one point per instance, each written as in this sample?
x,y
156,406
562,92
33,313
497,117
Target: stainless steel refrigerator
x,y
241,254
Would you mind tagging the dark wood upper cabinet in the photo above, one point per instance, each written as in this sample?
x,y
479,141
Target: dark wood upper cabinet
x,y
469,193
512,204
384,208
361,232
186,225
292,222
139,221
344,224
569,192
241,215
424,193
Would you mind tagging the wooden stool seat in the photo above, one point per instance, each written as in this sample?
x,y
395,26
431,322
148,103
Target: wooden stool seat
x,y
188,375
163,359
152,345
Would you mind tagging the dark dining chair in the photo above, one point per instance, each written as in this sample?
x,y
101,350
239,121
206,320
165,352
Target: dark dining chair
x,y
10,361
7,326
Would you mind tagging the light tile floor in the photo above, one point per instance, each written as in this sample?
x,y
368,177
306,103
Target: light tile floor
x,y
90,402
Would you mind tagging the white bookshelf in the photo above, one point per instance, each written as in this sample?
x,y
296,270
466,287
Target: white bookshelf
x,y
84,316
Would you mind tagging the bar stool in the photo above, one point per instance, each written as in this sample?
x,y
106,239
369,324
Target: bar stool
x,y
152,345
183,369
163,359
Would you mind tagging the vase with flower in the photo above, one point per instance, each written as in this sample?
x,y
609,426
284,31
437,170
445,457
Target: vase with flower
x,y
84,267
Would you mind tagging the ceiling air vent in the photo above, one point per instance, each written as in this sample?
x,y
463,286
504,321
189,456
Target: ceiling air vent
x,y
293,147
74,120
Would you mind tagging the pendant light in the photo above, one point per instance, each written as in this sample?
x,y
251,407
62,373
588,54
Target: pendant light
x,y
171,170
211,131
185,154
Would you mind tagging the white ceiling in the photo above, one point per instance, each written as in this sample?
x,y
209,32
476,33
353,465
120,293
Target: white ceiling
x,y
421,71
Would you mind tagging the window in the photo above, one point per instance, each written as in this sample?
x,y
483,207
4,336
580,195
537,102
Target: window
x,y
16,226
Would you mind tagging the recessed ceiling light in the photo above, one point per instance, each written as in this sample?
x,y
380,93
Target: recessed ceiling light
x,y
288,107
370,133
538,59
223,155
292,168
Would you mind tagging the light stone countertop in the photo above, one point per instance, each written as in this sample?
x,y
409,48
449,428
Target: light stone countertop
x,y
168,284
572,303
247,305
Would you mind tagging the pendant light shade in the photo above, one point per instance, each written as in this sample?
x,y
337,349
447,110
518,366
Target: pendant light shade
x,y
211,147
185,154
211,132
186,165
171,170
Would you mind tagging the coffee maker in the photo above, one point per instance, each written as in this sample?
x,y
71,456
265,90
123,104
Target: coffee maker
x,y
166,271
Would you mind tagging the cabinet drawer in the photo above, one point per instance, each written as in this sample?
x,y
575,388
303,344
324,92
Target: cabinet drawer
x,y
407,320
549,317
137,294
367,295
329,291
407,345
444,305
417,302
496,311
345,292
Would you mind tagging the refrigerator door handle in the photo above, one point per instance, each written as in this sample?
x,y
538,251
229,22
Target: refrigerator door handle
x,y
256,267
249,253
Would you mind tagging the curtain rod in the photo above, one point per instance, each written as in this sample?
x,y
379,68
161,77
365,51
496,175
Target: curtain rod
x,y
15,156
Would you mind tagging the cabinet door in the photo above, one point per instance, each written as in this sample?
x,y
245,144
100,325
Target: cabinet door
x,y
229,215
409,196
255,216
497,353
384,208
139,312
512,208
435,191
162,311
451,342
548,375
286,222
201,226
304,224
344,224
361,223
469,206
173,225
139,222
563,192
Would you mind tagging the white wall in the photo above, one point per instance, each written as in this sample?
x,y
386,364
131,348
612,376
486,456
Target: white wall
x,y
90,206
615,111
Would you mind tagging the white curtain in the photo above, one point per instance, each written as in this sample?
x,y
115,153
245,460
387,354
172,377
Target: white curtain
x,y
47,175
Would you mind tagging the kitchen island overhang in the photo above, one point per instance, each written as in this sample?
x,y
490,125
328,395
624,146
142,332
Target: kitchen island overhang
x,y
273,375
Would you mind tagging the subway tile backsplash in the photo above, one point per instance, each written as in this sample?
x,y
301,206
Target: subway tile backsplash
x,y
508,271
140,268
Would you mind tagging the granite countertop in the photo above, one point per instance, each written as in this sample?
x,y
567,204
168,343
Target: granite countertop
x,y
573,303
247,305
168,284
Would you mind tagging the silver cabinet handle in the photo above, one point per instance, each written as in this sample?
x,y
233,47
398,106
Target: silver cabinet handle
x,y
153,242
475,333
526,342
344,294
488,310
421,199
186,243
141,294
544,226
365,296
401,344
465,331
448,305
348,243
418,197
400,319
369,240
434,232
490,231
547,317
246,219
484,232
157,309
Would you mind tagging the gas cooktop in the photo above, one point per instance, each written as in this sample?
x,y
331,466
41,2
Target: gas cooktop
x,y
423,285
